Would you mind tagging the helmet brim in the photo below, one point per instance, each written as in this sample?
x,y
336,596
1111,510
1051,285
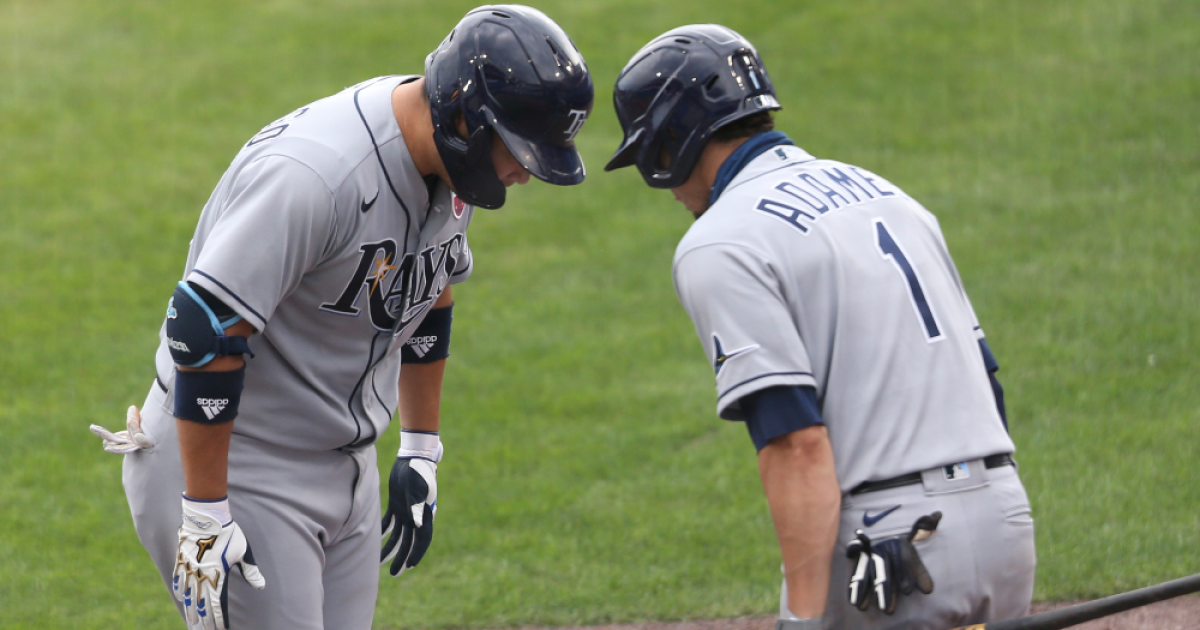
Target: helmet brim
x,y
558,164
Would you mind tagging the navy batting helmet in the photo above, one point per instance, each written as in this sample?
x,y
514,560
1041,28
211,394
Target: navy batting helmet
x,y
680,88
512,70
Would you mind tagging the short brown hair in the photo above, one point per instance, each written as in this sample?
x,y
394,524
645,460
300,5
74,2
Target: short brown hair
x,y
745,127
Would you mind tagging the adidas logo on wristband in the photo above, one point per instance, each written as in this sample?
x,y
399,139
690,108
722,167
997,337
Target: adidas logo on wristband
x,y
212,406
422,345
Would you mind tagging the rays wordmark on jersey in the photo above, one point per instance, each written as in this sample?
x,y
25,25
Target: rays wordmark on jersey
x,y
397,293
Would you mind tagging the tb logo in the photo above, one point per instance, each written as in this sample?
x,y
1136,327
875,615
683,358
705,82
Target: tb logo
x,y
578,117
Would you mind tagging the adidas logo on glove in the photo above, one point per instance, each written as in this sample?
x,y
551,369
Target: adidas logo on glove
x,y
212,406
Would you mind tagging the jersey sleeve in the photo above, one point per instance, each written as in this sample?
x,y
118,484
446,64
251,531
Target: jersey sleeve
x,y
273,226
743,322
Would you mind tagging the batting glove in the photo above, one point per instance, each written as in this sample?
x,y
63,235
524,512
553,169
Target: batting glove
x,y
131,440
890,567
210,543
412,501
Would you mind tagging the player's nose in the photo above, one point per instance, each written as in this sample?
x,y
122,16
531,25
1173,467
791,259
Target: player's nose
x,y
518,175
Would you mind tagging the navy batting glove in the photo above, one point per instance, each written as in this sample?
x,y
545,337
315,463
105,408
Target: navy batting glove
x,y
888,568
408,520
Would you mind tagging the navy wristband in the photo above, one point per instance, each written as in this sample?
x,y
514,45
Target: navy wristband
x,y
208,397
431,340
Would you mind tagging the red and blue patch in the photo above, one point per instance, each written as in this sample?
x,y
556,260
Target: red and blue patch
x,y
459,205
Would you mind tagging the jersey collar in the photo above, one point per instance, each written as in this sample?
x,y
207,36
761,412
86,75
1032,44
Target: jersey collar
x,y
757,145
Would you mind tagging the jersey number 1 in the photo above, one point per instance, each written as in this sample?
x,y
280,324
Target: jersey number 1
x,y
890,249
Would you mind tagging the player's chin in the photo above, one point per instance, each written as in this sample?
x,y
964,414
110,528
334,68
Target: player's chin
x,y
696,207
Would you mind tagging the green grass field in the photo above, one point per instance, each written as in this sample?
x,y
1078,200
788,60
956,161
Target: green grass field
x,y
587,478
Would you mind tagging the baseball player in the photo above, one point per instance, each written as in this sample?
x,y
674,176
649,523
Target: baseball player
x,y
321,264
839,332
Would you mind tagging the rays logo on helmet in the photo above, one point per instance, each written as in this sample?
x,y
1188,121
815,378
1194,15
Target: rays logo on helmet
x,y
578,117
460,206
421,345
171,314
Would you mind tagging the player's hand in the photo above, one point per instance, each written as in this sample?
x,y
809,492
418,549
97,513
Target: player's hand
x,y
131,440
408,520
209,546
888,568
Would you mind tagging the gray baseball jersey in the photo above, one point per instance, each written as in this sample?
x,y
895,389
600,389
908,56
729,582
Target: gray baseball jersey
x,y
324,236
811,272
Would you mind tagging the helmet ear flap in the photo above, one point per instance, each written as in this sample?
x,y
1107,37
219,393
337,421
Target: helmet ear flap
x,y
484,189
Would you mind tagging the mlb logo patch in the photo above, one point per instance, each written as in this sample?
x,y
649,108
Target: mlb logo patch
x,y
956,472
460,206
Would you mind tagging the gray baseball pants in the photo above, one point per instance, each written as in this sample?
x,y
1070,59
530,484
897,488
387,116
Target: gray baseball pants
x,y
311,518
981,558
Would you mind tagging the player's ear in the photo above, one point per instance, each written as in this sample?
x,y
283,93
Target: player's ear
x,y
460,125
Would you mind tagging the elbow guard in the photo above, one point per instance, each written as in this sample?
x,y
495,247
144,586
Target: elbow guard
x,y
194,333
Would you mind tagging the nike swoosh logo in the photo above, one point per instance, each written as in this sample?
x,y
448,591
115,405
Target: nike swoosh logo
x,y
869,520
366,205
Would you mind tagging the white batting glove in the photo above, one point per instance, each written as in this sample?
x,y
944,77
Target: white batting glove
x,y
210,543
131,440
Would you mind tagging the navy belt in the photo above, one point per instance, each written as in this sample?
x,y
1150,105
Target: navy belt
x,y
991,461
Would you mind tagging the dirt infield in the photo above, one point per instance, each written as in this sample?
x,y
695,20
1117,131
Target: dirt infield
x,y
1181,613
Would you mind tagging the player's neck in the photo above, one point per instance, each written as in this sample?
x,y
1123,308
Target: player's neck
x,y
714,156
704,175
412,113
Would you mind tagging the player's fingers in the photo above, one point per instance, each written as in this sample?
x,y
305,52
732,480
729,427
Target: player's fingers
x,y
117,448
389,521
205,610
421,540
189,605
885,595
223,609
391,547
133,420
403,550
103,434
253,575
214,601
859,584
250,570
403,564
144,441
176,585
133,424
